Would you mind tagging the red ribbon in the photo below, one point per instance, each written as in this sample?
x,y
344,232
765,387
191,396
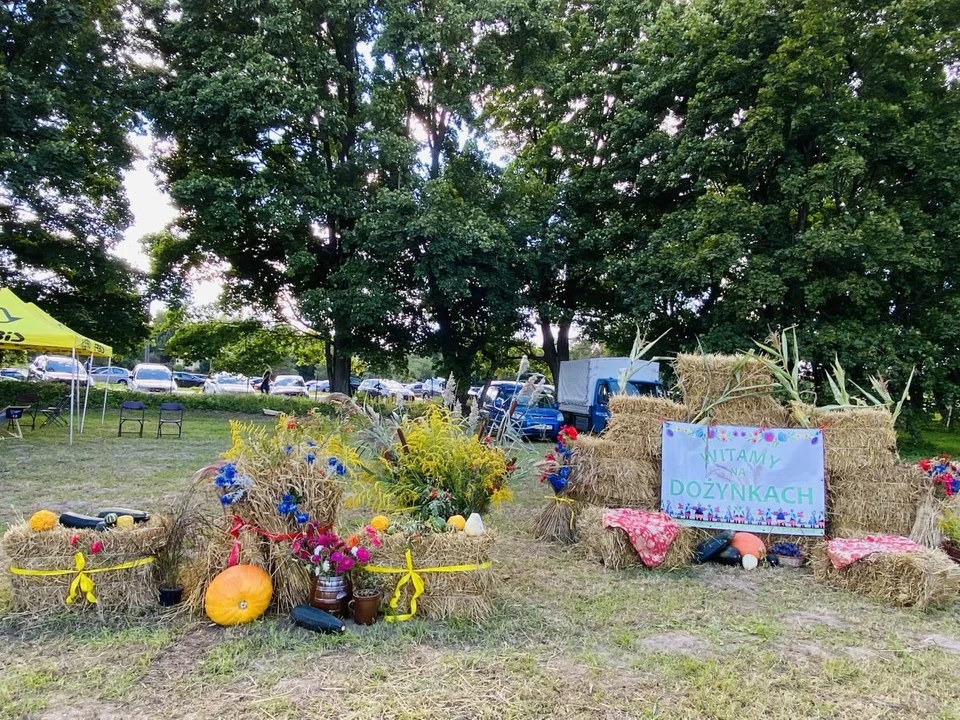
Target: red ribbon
x,y
239,525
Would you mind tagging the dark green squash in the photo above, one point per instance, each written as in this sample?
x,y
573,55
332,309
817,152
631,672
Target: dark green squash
x,y
82,522
710,547
317,620
728,556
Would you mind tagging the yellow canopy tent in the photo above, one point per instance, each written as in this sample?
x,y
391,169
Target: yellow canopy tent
x,y
24,326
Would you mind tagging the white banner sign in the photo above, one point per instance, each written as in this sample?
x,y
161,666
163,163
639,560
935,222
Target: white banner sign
x,y
741,478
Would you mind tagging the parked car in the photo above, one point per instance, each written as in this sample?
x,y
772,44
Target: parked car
x,y
188,380
381,387
152,377
318,386
428,388
540,419
289,385
58,368
13,374
227,384
111,375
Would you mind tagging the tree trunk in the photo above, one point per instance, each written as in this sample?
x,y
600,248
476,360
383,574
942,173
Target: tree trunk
x,y
555,350
338,366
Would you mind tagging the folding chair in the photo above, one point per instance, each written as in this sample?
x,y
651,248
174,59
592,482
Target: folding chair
x,y
128,414
33,407
54,414
170,414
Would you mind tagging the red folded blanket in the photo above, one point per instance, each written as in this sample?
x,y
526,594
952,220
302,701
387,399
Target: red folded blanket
x,y
843,552
651,534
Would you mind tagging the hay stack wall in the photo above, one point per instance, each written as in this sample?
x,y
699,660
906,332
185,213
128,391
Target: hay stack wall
x,y
124,590
467,594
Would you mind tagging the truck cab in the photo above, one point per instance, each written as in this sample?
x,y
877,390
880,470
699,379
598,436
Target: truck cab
x,y
586,387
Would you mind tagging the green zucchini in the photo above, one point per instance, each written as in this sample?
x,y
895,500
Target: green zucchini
x,y
728,556
138,516
82,522
711,546
317,620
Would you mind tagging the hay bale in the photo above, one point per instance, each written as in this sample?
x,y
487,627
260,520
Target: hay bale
x,y
557,521
856,438
611,546
123,590
636,425
728,389
598,479
874,500
923,579
466,594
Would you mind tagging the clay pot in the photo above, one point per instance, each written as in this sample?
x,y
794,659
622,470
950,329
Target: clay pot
x,y
366,608
331,594
951,549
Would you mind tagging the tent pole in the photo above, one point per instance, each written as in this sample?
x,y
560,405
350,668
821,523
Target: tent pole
x,y
73,384
103,415
86,395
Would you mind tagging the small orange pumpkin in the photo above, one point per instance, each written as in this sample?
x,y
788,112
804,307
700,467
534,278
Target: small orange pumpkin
x,y
749,544
238,595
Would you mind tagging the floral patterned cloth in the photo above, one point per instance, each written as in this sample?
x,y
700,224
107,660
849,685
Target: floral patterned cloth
x,y
651,534
843,552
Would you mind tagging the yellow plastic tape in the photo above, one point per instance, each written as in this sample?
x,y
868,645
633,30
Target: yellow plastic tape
x,y
567,500
413,576
82,582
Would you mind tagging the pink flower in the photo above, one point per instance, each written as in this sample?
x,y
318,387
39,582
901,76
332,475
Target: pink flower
x,y
96,547
337,557
376,541
74,539
346,564
363,555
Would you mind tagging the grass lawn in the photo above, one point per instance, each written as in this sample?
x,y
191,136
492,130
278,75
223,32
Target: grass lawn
x,y
567,639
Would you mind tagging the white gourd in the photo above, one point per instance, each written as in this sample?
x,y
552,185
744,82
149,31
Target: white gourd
x,y
474,525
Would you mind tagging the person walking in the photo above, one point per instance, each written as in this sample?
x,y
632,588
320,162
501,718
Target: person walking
x,y
265,383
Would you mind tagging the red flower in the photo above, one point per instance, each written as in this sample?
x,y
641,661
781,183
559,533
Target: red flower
x,y
74,539
96,547
433,493
291,424
488,439
569,431
549,456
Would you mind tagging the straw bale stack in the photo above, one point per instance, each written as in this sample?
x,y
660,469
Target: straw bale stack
x,y
120,590
601,476
923,579
611,547
856,438
211,556
636,425
728,389
466,594
874,500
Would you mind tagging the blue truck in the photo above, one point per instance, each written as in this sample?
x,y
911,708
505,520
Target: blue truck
x,y
586,386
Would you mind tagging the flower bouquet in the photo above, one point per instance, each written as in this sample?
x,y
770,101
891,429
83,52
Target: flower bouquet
x,y
945,475
556,522
330,560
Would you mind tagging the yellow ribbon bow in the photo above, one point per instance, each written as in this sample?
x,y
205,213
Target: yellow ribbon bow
x,y
82,583
413,576
564,500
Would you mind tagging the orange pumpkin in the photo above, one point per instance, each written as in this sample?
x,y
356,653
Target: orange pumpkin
x,y
749,544
238,595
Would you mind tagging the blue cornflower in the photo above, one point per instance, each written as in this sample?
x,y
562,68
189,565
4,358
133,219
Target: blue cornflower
x,y
332,463
341,470
565,472
229,470
311,443
558,483
311,458
226,499
289,449
222,481
302,517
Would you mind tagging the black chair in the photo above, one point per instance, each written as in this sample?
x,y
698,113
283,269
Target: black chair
x,y
170,414
13,414
129,414
54,414
33,407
